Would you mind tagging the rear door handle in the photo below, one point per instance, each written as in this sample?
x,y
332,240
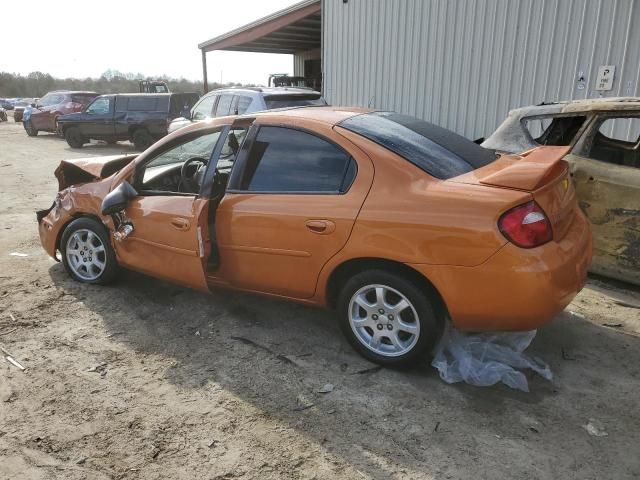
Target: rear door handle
x,y
180,223
321,227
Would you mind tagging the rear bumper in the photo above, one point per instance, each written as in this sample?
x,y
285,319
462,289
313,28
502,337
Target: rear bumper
x,y
516,289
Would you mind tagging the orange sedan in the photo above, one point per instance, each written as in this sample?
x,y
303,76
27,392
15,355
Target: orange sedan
x,y
396,223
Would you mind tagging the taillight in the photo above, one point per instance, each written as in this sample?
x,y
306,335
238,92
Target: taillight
x,y
526,225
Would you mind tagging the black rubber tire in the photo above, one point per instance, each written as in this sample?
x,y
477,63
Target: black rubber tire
x,y
74,137
430,324
142,139
111,270
32,132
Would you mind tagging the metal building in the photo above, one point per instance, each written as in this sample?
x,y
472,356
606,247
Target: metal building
x,y
464,64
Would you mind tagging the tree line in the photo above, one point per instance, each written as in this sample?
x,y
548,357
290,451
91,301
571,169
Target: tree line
x,y
37,84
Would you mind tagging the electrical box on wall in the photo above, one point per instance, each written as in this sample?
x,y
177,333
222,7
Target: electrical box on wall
x,y
604,80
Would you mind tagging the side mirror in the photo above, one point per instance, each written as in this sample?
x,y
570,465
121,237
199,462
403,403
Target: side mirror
x,y
118,199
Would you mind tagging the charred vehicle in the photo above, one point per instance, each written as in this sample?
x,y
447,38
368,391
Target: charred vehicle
x,y
396,223
603,137
141,118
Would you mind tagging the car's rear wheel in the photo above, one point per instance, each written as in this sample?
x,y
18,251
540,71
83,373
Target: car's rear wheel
x,y
87,254
142,139
32,132
387,318
74,137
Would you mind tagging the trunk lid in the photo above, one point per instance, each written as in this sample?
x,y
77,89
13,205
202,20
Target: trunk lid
x,y
539,171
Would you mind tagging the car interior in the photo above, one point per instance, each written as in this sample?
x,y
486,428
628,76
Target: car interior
x,y
618,143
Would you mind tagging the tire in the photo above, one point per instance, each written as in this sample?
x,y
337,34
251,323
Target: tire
x,y
142,139
87,254
32,132
384,322
74,137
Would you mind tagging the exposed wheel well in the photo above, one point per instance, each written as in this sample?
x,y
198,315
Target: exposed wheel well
x,y
351,267
75,217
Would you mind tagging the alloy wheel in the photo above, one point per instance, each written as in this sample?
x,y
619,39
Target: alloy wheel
x,y
384,320
86,254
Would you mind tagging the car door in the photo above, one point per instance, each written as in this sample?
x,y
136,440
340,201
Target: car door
x,y
41,115
605,168
290,206
168,219
98,118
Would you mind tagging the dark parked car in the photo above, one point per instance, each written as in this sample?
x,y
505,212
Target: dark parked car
x,y
46,111
19,108
6,104
141,118
3,115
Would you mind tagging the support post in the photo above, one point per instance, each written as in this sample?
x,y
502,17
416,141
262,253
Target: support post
x,y
205,81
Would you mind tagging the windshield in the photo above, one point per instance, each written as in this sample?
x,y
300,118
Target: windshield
x,y
286,101
436,150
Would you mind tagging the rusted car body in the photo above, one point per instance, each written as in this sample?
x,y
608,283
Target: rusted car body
x,y
491,242
604,140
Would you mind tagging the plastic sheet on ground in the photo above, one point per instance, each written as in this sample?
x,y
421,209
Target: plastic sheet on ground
x,y
484,359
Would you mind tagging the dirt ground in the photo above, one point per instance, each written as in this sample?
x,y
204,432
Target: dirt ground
x,y
146,380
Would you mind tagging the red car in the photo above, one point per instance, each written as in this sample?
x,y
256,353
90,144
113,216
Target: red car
x,y
45,113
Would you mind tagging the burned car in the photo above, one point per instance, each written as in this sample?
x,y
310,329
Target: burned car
x,y
396,223
603,136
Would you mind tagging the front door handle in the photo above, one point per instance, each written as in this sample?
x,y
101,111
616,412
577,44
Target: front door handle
x,y
322,227
180,223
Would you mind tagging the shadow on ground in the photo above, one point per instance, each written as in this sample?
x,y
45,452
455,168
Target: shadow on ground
x,y
277,355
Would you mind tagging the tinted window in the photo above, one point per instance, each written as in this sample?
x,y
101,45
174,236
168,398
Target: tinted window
x,y
285,101
142,104
436,150
287,160
204,108
554,131
224,104
243,104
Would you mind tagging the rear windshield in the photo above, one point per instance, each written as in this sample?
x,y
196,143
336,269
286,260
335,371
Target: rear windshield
x,y
83,98
285,101
436,150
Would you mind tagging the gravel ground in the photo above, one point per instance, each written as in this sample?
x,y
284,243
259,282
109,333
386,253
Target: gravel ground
x,y
147,380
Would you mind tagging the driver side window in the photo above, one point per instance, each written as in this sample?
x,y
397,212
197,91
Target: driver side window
x,y
100,106
179,169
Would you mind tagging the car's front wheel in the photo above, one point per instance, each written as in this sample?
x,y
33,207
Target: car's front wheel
x,y
87,254
387,318
74,137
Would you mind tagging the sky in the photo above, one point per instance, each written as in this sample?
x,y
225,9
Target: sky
x,y
74,38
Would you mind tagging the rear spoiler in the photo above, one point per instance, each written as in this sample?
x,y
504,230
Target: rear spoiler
x,y
531,170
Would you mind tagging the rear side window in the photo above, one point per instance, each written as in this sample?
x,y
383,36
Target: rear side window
x,y
436,150
550,130
205,108
224,105
286,160
83,98
286,101
143,104
243,104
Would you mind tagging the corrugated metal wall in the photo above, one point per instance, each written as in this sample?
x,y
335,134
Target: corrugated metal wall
x,y
464,64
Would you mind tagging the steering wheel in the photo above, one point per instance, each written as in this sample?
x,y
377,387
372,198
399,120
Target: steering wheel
x,y
191,180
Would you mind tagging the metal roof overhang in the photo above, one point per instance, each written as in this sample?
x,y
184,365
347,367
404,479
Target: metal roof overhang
x,y
290,30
